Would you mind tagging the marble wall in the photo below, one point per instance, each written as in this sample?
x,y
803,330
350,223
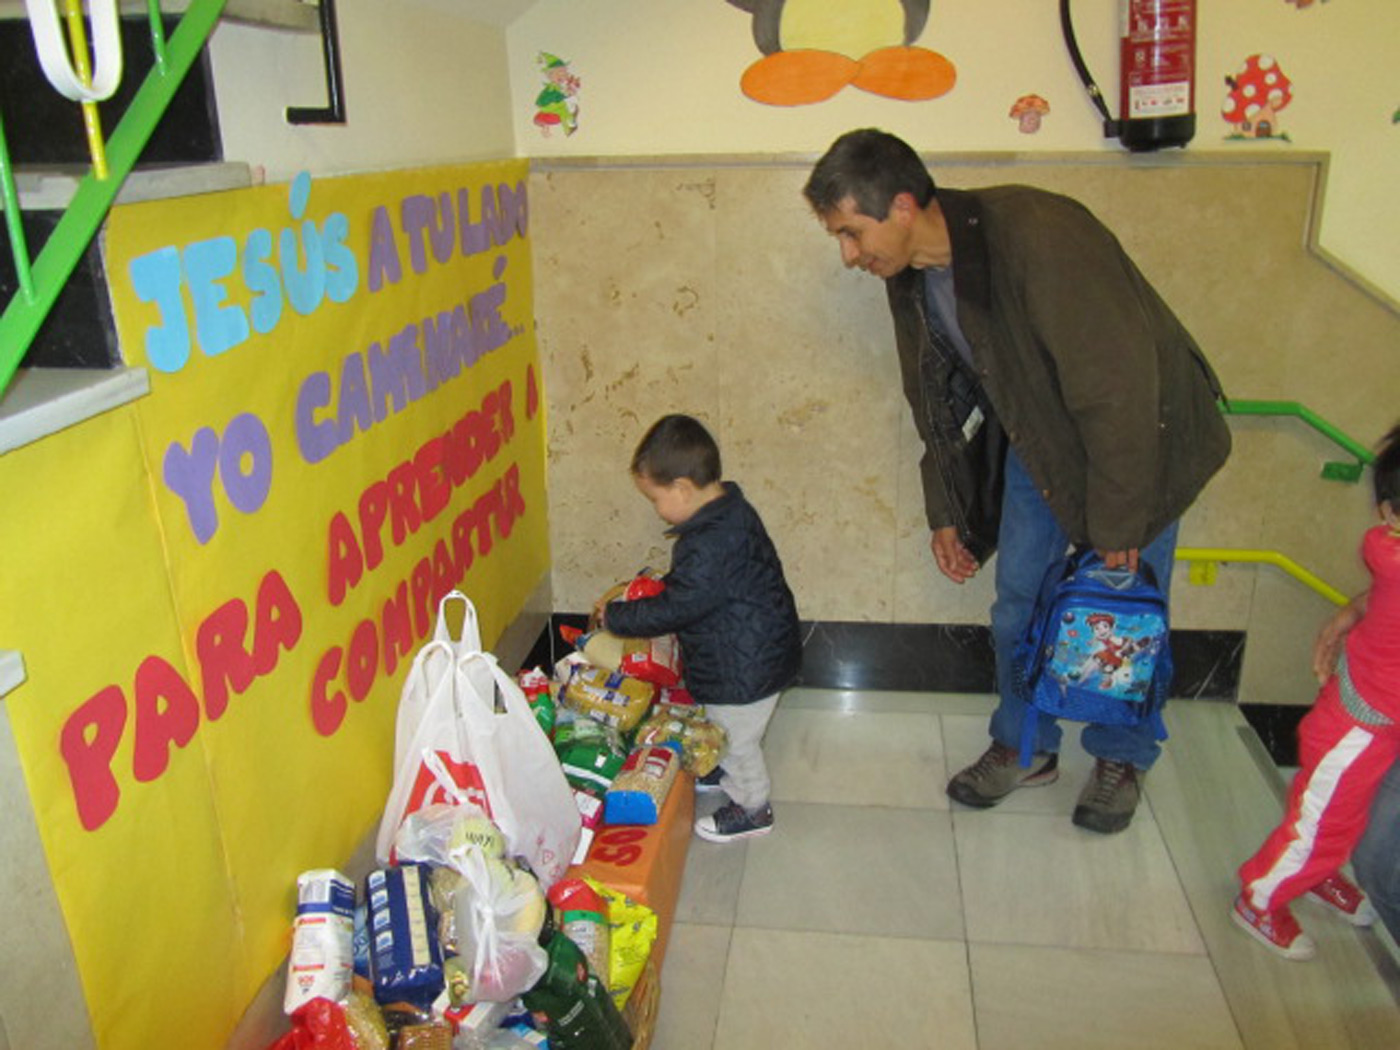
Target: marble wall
x,y
705,285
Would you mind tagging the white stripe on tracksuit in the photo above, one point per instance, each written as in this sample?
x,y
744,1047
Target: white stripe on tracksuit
x,y
1312,809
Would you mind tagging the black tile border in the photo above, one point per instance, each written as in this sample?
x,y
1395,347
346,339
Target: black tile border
x,y
943,658
1277,728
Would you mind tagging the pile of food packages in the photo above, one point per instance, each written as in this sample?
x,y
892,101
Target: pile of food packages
x,y
455,944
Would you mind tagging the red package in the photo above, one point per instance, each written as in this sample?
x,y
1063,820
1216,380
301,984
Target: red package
x,y
317,1025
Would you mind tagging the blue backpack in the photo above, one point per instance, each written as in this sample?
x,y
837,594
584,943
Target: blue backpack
x,y
1097,649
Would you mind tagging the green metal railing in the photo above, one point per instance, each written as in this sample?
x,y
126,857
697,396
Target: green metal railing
x,y
40,283
1335,471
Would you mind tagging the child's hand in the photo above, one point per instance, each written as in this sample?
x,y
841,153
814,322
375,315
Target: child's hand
x,y
596,620
1327,650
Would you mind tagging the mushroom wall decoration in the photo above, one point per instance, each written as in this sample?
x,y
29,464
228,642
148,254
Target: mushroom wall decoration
x,y
1257,92
1027,111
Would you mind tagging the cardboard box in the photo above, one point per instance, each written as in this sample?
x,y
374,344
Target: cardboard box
x,y
647,863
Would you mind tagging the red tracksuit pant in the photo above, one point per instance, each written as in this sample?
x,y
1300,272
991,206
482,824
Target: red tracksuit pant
x,y
1341,764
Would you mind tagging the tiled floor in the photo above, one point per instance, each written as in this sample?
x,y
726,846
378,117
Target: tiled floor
x,y
879,914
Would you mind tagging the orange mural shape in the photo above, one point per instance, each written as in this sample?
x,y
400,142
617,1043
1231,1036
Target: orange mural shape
x,y
912,74
798,78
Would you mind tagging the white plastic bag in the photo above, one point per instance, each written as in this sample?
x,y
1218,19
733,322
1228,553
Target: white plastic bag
x,y
499,913
432,833
531,801
413,700
440,762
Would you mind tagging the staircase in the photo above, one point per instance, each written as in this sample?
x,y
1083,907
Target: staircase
x,y
59,361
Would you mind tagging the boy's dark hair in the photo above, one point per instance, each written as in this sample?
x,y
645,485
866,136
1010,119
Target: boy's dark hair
x,y
677,446
872,167
1385,471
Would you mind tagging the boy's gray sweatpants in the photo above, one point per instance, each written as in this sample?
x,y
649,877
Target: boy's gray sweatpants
x,y
745,777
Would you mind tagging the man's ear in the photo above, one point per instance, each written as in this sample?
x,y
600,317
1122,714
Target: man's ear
x,y
904,208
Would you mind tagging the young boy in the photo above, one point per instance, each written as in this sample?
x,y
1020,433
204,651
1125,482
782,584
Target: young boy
x,y
728,605
1346,744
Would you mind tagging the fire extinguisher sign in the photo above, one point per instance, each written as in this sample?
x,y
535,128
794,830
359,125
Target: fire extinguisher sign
x,y
1158,56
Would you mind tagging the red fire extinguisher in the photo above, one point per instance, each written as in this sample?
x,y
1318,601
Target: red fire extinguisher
x,y
1157,73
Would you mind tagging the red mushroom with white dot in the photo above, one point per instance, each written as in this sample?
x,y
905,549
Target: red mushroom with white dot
x,y
1257,93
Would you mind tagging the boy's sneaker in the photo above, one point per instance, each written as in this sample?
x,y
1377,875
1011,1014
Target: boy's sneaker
x,y
1276,930
1110,799
709,783
998,773
1345,897
735,822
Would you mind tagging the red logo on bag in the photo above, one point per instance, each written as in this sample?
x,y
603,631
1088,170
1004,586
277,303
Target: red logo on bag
x,y
428,787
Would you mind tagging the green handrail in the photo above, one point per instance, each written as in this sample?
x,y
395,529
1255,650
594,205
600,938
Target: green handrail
x,y
93,198
1334,471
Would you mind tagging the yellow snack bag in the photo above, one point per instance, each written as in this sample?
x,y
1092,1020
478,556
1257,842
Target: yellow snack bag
x,y
632,933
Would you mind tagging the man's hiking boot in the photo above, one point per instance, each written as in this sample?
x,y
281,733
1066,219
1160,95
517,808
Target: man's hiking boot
x,y
998,773
1110,798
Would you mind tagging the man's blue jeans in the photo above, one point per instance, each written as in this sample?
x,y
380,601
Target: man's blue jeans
x,y
1377,856
1029,544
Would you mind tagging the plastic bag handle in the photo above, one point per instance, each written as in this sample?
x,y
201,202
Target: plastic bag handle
x,y
470,639
425,655
510,690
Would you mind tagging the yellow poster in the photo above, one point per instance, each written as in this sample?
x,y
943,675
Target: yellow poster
x,y
344,423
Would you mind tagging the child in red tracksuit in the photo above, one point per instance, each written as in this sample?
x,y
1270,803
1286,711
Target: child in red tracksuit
x,y
1346,744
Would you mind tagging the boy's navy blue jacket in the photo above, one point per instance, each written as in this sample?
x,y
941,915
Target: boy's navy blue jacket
x,y
727,603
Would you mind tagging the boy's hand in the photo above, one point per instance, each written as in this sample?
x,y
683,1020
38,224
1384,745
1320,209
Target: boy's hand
x,y
596,620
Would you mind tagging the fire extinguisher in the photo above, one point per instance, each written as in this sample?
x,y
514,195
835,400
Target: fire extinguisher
x,y
1157,73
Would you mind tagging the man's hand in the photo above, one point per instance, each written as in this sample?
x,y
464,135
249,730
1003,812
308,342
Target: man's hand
x,y
1327,650
1127,559
954,560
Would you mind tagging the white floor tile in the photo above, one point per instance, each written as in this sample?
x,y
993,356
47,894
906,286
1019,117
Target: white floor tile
x,y
1040,880
713,874
821,991
1097,1000
879,701
691,985
854,869
856,758
854,925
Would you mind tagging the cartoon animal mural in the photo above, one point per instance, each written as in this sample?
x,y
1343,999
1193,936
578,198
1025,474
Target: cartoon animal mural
x,y
1258,91
814,48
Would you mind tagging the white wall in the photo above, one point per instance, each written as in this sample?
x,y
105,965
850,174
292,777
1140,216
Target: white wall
x,y
662,77
423,84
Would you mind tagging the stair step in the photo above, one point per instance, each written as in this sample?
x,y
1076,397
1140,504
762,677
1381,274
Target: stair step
x,y
43,401
51,188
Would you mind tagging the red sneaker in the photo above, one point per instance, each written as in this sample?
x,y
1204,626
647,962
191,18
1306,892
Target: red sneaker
x,y
1276,930
1340,893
